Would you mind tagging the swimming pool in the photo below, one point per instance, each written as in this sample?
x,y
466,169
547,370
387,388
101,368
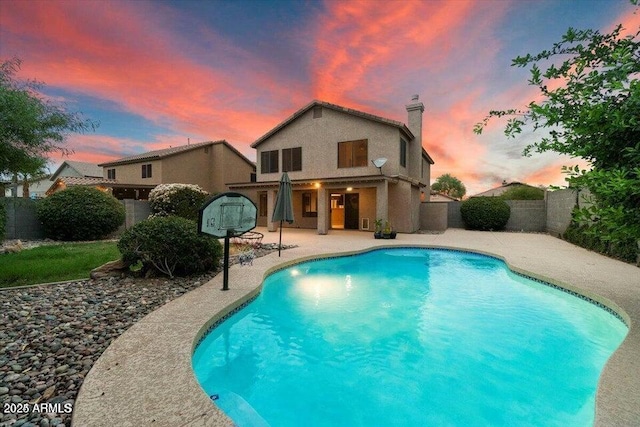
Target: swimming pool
x,y
408,337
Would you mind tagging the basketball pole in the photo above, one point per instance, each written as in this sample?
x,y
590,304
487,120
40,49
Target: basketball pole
x,y
225,278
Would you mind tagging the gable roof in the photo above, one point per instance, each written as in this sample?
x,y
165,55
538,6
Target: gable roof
x,y
167,152
83,168
403,128
442,195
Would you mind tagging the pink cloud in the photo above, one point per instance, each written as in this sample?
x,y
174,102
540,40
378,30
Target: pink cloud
x,y
126,54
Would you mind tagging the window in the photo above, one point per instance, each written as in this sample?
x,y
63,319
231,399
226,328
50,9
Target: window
x,y
263,204
146,171
269,161
111,174
310,204
403,153
291,159
352,154
317,112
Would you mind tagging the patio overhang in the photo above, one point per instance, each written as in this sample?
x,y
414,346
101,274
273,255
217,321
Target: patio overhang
x,y
367,180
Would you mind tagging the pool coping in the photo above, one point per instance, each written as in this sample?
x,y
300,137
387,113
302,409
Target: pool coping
x,y
140,380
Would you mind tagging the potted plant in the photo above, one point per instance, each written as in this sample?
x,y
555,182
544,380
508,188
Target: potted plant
x,y
388,233
377,234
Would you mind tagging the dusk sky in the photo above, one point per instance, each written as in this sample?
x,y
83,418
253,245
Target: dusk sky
x,y
159,73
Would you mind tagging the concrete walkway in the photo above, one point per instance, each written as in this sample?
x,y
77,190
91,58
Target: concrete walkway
x,y
145,377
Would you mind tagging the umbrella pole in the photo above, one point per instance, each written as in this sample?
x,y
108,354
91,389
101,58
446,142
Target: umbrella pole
x,y
280,244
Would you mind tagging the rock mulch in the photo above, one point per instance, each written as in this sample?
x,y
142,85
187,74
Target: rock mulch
x,y
50,337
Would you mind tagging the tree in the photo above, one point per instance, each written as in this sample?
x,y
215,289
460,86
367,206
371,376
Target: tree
x,y
590,108
30,125
523,192
34,168
449,185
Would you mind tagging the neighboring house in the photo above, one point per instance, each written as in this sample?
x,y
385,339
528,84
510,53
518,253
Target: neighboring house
x,y
72,173
208,164
77,169
440,197
36,188
498,191
328,152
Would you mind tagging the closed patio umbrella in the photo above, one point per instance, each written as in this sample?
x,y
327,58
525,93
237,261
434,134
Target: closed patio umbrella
x,y
283,211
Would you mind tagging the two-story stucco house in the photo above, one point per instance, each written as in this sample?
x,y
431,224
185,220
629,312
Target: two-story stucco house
x,y
329,152
208,164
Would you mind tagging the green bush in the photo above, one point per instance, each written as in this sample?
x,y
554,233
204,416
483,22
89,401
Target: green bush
x,y
485,213
523,192
170,245
183,200
80,213
3,219
584,236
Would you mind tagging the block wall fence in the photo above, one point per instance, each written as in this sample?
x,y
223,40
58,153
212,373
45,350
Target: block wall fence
x,y
551,215
22,221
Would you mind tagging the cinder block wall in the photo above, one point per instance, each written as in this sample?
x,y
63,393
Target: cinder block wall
x,y
433,216
560,204
454,217
527,215
136,211
22,222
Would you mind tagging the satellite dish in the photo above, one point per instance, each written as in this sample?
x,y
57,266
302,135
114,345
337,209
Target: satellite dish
x,y
379,163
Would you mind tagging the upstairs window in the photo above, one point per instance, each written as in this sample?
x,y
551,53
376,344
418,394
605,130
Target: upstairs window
x,y
403,153
292,159
146,171
111,174
269,161
352,154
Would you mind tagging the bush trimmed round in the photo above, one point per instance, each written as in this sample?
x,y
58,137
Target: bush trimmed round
x,y
184,200
485,213
80,213
170,245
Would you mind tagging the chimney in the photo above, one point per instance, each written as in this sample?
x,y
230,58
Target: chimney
x,y
414,123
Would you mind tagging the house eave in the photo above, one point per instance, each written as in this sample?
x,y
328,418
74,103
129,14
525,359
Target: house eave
x,y
311,182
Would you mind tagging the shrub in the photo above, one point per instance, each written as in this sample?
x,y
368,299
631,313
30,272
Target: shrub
x,y
80,213
170,245
523,192
485,213
3,219
183,200
588,238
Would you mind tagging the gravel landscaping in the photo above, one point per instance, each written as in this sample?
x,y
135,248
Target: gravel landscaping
x,y
50,337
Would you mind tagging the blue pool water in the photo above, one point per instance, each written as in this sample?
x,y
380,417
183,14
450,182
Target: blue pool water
x,y
408,337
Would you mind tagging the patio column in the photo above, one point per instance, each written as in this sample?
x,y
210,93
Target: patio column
x,y
323,210
382,201
271,202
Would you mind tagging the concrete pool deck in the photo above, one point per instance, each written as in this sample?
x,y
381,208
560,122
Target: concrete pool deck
x,y
144,378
